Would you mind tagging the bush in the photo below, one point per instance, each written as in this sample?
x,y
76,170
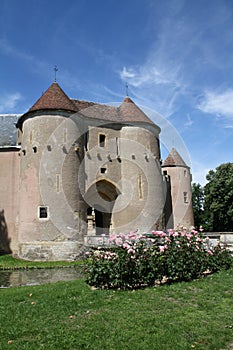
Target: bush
x,y
135,260
220,259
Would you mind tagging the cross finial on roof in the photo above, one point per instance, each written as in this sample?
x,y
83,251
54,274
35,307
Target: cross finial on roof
x,y
55,73
127,89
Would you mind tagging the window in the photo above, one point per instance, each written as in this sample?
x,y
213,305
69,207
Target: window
x,y
34,149
140,187
185,197
86,137
58,182
102,140
65,135
31,137
185,173
43,212
103,170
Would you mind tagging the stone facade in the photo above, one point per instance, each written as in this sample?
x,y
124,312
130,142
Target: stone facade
x,y
82,170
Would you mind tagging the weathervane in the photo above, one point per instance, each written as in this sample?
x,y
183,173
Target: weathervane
x,y
55,73
127,89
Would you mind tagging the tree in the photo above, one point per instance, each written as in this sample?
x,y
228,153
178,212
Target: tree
x,y
218,205
198,204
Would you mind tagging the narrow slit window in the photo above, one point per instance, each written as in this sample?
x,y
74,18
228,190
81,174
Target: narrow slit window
x,y
58,182
117,147
102,140
86,138
43,212
34,149
65,135
31,137
140,192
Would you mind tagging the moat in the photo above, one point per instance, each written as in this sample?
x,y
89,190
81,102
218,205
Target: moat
x,y
33,277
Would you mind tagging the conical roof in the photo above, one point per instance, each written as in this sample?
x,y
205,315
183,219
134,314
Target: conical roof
x,y
174,159
130,112
54,98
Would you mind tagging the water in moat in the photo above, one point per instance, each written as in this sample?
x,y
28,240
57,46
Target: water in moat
x,y
35,277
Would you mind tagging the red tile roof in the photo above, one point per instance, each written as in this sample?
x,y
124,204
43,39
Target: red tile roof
x,y
82,104
130,112
127,112
174,159
54,98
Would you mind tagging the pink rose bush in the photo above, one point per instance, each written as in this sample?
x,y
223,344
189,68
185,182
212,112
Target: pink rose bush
x,y
134,260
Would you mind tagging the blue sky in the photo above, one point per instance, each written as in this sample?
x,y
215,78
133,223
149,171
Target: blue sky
x,y
175,55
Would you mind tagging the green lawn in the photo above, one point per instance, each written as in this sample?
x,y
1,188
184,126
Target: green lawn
x,y
72,316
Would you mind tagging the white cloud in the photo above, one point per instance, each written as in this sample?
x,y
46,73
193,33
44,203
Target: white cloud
x,y
154,83
127,73
9,101
149,74
219,104
189,121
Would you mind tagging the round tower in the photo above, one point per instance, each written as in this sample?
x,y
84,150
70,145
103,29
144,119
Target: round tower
x,y
181,191
50,209
141,185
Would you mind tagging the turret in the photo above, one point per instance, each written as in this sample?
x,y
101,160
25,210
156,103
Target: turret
x,y
181,192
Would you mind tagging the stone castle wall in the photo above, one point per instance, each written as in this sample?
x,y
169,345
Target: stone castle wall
x,y
9,196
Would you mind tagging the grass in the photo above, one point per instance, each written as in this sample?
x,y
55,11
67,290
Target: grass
x,y
72,316
8,262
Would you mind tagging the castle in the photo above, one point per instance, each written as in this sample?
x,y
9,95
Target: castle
x,y
82,170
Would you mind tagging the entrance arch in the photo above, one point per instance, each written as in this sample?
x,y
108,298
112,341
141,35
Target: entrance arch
x,y
100,199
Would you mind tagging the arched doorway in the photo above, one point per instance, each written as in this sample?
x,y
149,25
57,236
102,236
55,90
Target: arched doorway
x,y
100,198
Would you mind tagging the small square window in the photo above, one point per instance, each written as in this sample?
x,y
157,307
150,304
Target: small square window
x,y
103,170
43,212
185,197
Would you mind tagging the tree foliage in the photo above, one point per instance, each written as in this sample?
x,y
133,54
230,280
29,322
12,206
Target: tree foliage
x,y
198,204
218,203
